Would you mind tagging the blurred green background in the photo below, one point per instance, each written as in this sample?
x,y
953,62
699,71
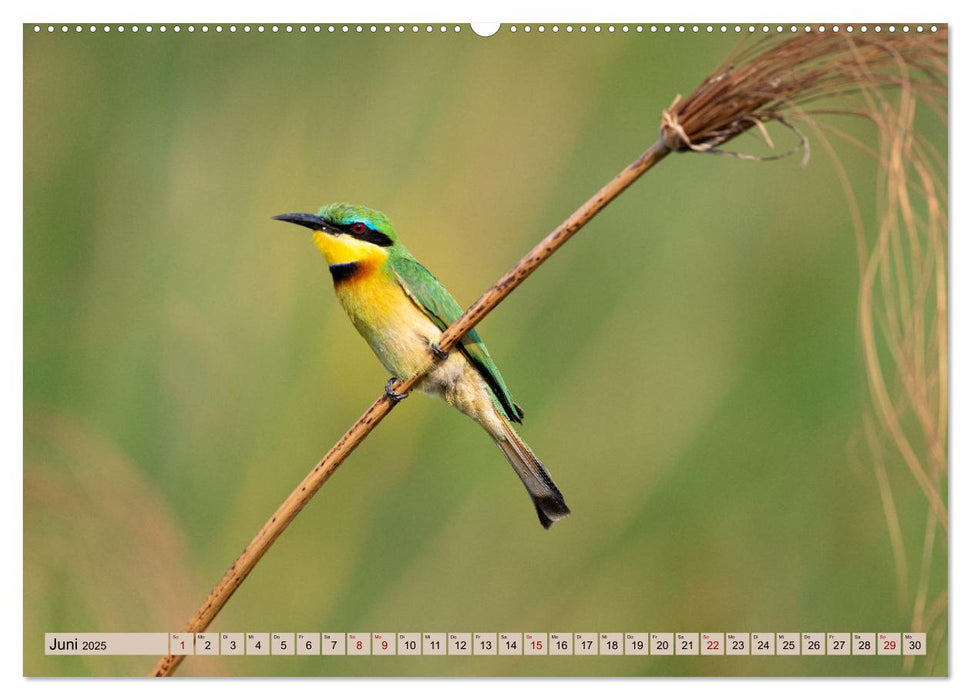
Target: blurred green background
x,y
689,364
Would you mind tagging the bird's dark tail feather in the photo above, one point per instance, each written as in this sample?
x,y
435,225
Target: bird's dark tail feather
x,y
548,500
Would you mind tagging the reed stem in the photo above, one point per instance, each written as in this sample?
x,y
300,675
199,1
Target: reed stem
x,y
305,490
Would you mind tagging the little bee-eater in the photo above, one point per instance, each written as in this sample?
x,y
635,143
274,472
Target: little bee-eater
x,y
401,310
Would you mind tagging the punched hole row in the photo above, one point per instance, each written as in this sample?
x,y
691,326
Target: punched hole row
x,y
512,29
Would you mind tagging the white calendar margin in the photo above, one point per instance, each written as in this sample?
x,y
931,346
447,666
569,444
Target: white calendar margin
x,y
11,656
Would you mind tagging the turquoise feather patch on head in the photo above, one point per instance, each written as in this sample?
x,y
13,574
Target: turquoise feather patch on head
x,y
343,214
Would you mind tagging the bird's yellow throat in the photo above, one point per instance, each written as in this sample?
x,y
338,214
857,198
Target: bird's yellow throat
x,y
345,249
372,297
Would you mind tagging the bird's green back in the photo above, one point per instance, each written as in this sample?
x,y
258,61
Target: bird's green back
x,y
440,306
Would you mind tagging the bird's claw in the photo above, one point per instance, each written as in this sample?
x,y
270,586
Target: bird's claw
x,y
437,351
391,393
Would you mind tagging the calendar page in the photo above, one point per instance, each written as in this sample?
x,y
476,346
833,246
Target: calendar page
x,y
543,349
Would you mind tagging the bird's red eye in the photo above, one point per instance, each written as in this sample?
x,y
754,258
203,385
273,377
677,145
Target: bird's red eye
x,y
358,228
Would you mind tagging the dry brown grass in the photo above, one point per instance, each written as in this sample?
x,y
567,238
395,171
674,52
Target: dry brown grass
x,y
892,81
776,80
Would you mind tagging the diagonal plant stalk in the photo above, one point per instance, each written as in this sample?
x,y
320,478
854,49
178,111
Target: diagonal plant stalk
x,y
311,483
770,81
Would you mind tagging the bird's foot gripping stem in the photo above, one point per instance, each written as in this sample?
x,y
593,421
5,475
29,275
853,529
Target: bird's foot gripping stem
x,y
391,393
437,351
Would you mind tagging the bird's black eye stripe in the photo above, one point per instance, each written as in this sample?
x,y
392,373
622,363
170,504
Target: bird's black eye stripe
x,y
369,235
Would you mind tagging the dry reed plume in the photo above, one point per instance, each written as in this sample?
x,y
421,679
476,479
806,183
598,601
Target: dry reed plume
x,y
888,80
903,288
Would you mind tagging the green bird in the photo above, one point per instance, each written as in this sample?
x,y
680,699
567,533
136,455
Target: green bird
x,y
401,309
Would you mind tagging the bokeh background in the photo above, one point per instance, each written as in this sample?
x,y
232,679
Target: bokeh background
x,y
689,364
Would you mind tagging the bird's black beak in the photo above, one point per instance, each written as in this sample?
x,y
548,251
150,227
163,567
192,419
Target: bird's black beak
x,y
311,221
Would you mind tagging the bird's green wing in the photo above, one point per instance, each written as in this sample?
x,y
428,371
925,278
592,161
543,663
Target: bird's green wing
x,y
431,296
